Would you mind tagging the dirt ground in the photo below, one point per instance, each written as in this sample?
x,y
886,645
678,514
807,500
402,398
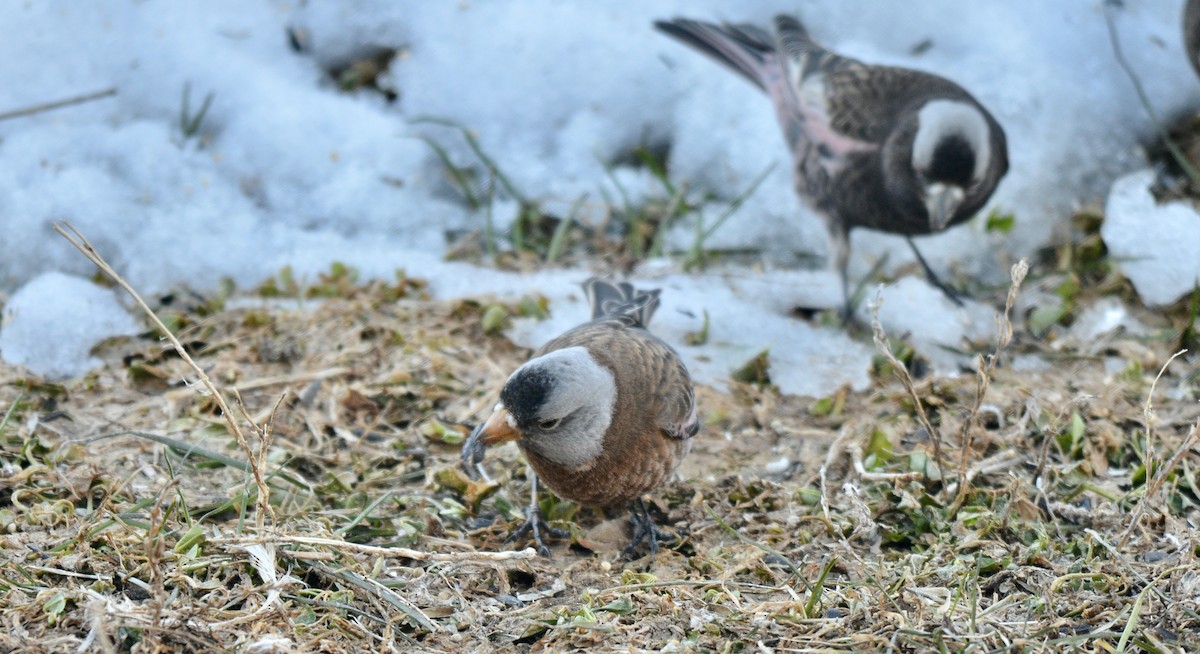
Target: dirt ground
x,y
1051,509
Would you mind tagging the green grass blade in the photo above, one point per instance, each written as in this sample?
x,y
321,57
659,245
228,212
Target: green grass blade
x,y
561,230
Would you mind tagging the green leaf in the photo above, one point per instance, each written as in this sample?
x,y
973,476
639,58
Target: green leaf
x,y
754,371
495,317
55,607
1046,316
620,606
192,539
1000,222
534,306
879,449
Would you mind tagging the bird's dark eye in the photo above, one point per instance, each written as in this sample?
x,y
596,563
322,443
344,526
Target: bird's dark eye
x,y
547,425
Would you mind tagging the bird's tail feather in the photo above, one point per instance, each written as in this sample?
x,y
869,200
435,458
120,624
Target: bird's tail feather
x,y
802,50
620,299
742,48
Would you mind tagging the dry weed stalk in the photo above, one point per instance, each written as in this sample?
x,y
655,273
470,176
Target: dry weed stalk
x,y
985,367
1154,484
58,104
884,348
983,376
74,237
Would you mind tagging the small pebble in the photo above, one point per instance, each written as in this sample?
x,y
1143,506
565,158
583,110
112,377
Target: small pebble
x,y
778,465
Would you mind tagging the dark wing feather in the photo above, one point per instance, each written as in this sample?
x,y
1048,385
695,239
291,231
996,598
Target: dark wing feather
x,y
863,101
678,417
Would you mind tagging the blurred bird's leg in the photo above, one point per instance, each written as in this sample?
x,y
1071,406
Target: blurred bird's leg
x,y
950,293
839,245
644,530
535,524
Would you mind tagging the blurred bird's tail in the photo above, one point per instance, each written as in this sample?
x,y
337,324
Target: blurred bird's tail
x,y
743,48
802,51
609,300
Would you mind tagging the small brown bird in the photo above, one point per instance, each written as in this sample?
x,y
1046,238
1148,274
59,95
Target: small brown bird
x,y
604,413
881,147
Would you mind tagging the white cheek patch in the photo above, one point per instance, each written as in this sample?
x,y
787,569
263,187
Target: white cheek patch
x,y
583,390
941,118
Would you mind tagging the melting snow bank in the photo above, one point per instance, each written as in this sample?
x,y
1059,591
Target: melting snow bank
x,y
718,321
750,312
52,323
1156,245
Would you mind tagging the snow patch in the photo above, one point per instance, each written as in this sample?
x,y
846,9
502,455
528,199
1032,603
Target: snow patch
x,y
1157,246
52,323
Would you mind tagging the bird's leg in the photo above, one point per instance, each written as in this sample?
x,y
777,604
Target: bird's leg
x,y
950,293
645,530
535,524
839,242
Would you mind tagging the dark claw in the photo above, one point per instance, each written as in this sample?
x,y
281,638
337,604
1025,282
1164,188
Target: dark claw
x,y
951,294
845,314
644,530
536,524
472,453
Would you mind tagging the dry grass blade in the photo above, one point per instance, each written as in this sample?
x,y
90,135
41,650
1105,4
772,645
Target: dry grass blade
x,y
378,590
58,104
762,546
1154,484
74,237
384,552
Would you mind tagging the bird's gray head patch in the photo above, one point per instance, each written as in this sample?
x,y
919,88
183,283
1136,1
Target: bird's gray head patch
x,y
562,403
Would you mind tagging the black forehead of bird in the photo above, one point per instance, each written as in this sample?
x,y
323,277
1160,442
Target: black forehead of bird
x,y
953,161
525,393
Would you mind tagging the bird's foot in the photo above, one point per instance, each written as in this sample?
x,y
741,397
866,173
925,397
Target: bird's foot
x,y
846,314
536,526
951,294
645,531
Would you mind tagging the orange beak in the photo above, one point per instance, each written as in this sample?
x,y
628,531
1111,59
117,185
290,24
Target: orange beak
x,y
498,428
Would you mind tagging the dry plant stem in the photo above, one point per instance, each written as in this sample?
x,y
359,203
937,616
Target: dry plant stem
x,y
67,102
291,379
68,231
154,555
385,552
885,349
1172,147
1160,476
983,376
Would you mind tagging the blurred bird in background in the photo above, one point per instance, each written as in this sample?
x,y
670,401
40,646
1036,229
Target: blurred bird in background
x,y
881,147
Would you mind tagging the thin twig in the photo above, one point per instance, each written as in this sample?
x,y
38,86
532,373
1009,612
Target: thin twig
x,y
385,552
58,104
279,380
1160,475
1111,6
74,237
